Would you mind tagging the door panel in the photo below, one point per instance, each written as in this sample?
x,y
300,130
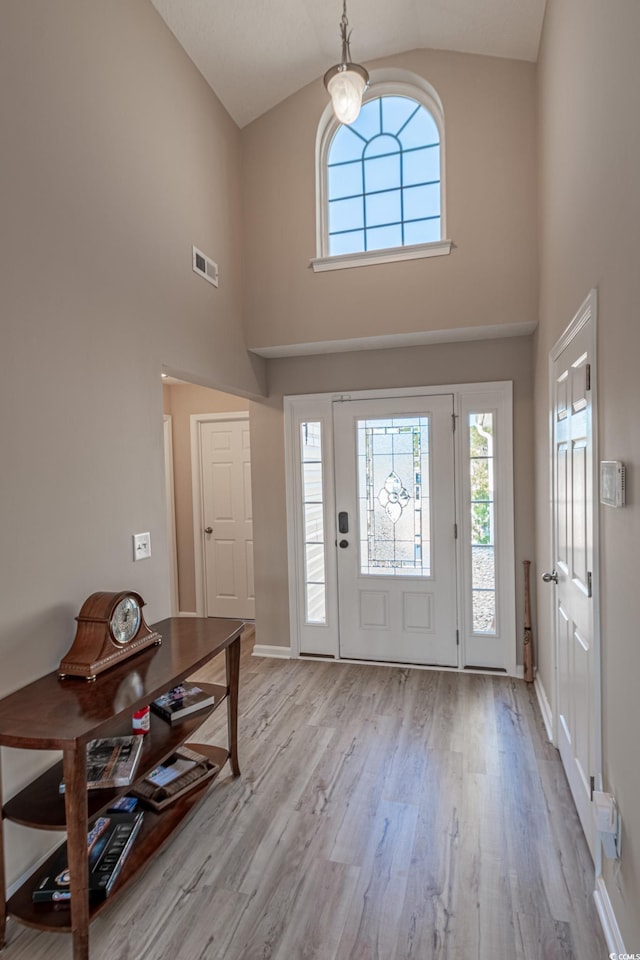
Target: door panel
x,y
396,561
579,500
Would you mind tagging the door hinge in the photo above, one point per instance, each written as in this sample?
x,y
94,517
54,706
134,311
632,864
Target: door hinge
x,y
589,584
453,422
592,786
457,638
587,376
455,531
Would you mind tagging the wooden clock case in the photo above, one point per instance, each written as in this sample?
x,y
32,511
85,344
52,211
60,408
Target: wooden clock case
x,y
94,649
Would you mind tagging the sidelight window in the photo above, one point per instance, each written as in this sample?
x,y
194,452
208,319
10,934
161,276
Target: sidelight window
x,y
313,522
483,522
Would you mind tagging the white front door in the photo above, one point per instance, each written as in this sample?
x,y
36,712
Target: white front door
x,y
395,503
573,566
227,516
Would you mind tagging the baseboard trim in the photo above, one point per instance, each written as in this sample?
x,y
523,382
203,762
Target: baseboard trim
x,y
278,653
545,707
187,613
608,920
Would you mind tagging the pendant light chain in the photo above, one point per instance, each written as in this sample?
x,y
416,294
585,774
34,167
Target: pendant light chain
x,y
346,81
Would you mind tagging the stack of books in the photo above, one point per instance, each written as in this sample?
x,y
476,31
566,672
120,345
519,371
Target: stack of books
x,y
181,701
109,842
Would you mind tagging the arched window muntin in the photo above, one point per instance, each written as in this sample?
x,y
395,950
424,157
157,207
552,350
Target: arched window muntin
x,y
403,234
386,193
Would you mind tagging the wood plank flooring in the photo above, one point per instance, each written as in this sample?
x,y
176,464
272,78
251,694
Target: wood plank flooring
x,y
382,814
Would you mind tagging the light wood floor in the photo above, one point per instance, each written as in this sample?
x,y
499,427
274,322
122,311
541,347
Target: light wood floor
x,y
382,814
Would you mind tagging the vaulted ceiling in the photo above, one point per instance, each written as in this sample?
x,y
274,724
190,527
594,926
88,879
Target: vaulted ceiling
x,y
254,53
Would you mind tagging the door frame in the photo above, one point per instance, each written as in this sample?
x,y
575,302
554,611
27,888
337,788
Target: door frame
x,y
318,407
586,317
170,506
196,422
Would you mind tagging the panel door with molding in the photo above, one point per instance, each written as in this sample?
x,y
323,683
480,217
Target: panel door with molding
x,y
573,566
227,516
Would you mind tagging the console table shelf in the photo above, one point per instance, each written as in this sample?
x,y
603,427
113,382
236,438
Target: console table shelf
x,y
54,714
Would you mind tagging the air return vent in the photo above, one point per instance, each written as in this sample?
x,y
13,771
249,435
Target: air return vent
x,y
205,266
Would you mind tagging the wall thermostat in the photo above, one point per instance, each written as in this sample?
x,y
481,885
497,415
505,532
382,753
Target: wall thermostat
x,y
612,483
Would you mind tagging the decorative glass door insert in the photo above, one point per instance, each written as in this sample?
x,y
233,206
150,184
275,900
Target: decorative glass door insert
x,y
394,497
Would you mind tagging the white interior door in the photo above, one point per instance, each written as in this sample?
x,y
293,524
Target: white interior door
x,y
573,565
227,516
394,468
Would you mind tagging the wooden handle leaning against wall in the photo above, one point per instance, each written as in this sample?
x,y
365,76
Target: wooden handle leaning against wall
x,y
527,641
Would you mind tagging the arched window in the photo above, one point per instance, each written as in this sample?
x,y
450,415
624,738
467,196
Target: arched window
x,y
380,179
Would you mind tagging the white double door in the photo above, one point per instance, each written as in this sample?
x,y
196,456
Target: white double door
x,y
396,556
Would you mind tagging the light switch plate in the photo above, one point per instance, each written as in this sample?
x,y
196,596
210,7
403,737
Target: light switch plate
x,y
141,546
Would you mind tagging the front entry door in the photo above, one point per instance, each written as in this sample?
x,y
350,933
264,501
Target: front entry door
x,y
395,503
573,542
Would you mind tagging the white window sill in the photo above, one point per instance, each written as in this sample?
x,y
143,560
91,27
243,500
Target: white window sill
x,y
441,248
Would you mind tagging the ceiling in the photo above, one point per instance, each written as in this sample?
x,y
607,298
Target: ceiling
x,y
254,53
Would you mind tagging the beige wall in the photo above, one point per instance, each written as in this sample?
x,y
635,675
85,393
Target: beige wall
x,y
490,278
590,215
508,359
183,400
116,158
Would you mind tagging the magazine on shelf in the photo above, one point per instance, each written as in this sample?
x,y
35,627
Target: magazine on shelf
x,y
111,761
178,774
182,700
109,842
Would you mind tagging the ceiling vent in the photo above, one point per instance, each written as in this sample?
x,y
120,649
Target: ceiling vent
x,y
205,266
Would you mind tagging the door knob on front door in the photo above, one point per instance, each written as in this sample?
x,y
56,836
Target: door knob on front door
x,y
208,529
550,577
344,544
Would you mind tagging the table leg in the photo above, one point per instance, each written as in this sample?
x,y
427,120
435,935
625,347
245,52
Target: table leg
x,y
75,801
233,680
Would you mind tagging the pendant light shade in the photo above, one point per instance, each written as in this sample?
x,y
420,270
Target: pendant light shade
x,y
346,82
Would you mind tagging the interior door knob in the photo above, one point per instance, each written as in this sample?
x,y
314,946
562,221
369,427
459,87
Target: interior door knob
x,y
208,529
550,577
344,543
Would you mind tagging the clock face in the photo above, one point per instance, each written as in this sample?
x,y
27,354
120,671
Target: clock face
x,y
125,620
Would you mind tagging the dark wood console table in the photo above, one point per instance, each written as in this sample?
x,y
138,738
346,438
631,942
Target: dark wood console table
x,y
53,714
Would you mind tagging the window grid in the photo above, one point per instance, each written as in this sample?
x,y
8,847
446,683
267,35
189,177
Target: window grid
x,y
350,223
315,600
425,146
391,223
402,175
482,504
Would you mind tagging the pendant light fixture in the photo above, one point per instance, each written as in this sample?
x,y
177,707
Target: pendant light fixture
x,y
347,81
